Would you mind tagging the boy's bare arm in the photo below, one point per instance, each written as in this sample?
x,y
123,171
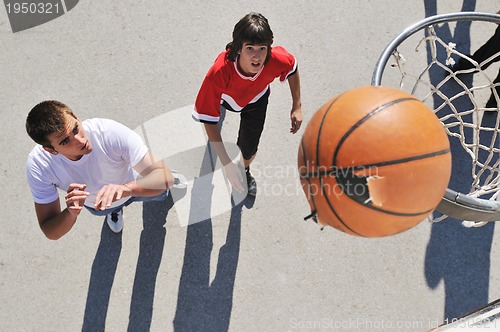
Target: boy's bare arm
x,y
296,112
156,178
215,138
55,223
232,172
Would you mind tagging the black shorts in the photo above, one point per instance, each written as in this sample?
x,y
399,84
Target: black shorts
x,y
251,126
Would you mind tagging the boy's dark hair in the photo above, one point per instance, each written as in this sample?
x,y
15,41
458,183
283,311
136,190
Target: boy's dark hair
x,y
254,29
45,119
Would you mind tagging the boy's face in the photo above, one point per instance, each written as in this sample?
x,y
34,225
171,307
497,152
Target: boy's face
x,y
251,58
72,141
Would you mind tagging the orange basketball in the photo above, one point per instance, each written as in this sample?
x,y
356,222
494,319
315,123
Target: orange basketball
x,y
374,161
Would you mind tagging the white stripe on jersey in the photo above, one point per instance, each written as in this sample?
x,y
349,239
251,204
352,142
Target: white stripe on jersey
x,y
237,108
294,69
204,117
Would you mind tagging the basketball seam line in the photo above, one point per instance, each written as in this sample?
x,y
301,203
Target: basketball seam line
x,y
404,160
321,128
334,211
317,161
334,169
393,213
364,119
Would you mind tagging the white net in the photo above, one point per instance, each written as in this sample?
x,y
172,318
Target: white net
x,y
436,66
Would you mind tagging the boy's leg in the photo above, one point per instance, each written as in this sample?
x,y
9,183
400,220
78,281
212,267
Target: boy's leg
x,y
252,119
247,162
251,127
251,183
114,216
160,197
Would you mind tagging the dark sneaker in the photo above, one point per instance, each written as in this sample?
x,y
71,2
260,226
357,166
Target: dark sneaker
x,y
252,185
115,221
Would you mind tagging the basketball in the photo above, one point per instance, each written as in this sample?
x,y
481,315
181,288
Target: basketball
x,y
374,161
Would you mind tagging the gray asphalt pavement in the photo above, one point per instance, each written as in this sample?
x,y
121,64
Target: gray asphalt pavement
x,y
257,266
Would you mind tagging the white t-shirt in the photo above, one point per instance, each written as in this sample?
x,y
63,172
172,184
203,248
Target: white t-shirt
x,y
115,150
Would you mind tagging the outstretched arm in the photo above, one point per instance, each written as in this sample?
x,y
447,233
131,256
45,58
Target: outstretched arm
x,y
233,174
296,113
156,178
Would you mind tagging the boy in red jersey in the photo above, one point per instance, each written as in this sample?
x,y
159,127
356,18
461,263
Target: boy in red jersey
x,y
239,81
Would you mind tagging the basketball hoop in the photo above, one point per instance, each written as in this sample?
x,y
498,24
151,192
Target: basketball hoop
x,y
458,99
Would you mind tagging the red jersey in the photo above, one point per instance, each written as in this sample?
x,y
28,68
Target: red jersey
x,y
225,84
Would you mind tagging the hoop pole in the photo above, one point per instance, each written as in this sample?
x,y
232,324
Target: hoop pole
x,y
463,16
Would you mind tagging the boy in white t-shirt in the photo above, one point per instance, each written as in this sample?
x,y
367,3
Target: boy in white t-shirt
x,y
100,163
